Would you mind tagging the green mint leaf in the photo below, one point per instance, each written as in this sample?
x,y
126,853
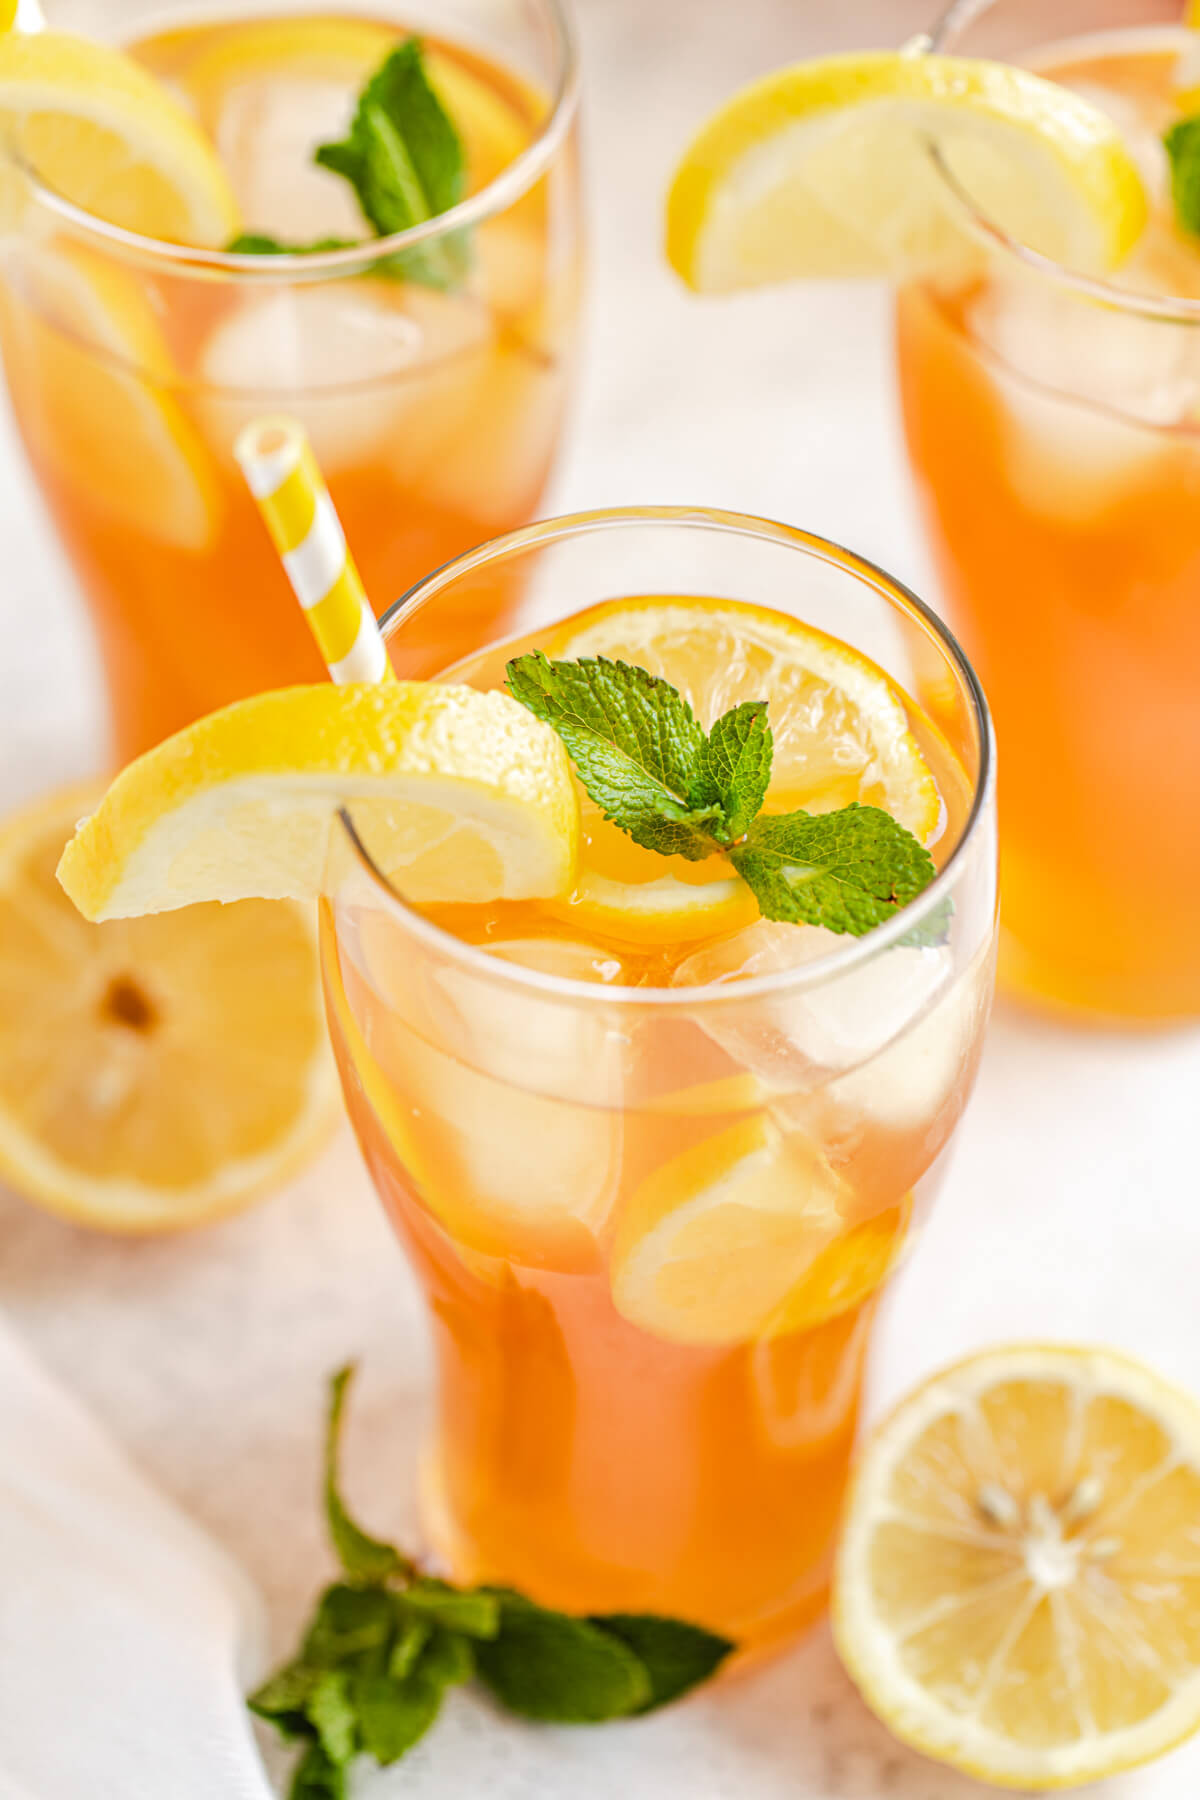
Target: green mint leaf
x,y
364,1558
393,1715
735,769
474,1614
411,1638
406,163
332,1712
676,1656
847,870
1182,143
316,1778
283,1699
635,742
934,929
350,1623
447,1660
546,1665
257,243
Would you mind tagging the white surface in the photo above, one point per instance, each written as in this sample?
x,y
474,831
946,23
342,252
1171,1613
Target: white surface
x,y
1071,1210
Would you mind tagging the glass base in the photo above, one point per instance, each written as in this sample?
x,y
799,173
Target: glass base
x,y
1121,1000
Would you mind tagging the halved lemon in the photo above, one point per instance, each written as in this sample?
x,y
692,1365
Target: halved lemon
x,y
709,1246
100,131
1017,1590
158,1072
460,795
841,733
828,169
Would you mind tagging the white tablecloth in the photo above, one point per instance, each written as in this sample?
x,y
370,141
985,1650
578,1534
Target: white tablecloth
x,y
1071,1210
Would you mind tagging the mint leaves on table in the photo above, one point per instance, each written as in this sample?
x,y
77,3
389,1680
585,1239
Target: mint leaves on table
x,y
405,160
1182,144
646,761
387,1642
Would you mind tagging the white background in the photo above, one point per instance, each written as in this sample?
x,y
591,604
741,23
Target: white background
x,y
1071,1210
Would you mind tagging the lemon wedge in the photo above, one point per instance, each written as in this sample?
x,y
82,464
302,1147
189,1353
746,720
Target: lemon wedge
x,y
1017,1589
827,169
154,1073
459,796
709,1246
841,734
100,131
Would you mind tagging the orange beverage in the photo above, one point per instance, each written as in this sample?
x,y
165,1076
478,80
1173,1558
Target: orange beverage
x,y
435,412
1054,429
651,1156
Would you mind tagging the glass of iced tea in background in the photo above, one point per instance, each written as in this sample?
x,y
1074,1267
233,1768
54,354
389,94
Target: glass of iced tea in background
x,y
652,1157
435,414
1054,428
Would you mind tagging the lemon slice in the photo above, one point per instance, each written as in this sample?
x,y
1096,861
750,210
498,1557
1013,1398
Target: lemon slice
x,y
825,169
841,734
845,1274
1018,1586
91,378
157,1072
459,795
709,1245
102,132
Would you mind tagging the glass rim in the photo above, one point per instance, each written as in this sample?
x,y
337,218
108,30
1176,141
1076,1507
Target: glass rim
x,y
1176,308
355,259
852,951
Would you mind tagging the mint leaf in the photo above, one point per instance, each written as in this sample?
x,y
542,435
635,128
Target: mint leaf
x,y
735,766
1182,144
676,1656
448,1659
547,1665
349,1623
411,1639
332,1713
393,1715
283,1699
316,1778
474,1614
364,1558
406,163
636,744
257,243
934,929
847,870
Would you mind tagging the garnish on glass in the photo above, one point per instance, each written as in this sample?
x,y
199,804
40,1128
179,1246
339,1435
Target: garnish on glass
x,y
648,763
405,161
387,1641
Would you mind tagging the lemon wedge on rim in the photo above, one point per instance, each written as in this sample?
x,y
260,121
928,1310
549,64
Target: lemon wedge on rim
x,y
100,131
458,795
1017,1589
825,169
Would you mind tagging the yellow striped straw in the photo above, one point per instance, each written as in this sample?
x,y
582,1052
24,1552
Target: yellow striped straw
x,y
281,471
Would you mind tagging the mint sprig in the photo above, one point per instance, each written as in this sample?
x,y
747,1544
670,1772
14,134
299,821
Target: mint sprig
x,y
387,1642
646,761
1182,144
406,162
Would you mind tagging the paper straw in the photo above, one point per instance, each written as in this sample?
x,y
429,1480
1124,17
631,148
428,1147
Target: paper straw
x,y
281,471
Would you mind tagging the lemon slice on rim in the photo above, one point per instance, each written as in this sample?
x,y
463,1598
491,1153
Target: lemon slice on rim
x,y
825,169
99,130
1017,1589
460,795
841,734
709,1246
157,1072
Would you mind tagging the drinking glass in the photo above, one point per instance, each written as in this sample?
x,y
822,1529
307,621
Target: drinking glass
x,y
510,1119
132,364
1052,424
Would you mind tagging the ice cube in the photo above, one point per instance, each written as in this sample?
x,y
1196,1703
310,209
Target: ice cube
x,y
267,129
794,1040
373,368
493,467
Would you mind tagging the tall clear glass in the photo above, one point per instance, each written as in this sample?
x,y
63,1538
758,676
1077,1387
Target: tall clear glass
x,y
1053,424
436,415
515,1124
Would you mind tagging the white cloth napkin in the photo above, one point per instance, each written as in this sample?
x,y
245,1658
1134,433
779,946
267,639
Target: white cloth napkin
x,y
126,1635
